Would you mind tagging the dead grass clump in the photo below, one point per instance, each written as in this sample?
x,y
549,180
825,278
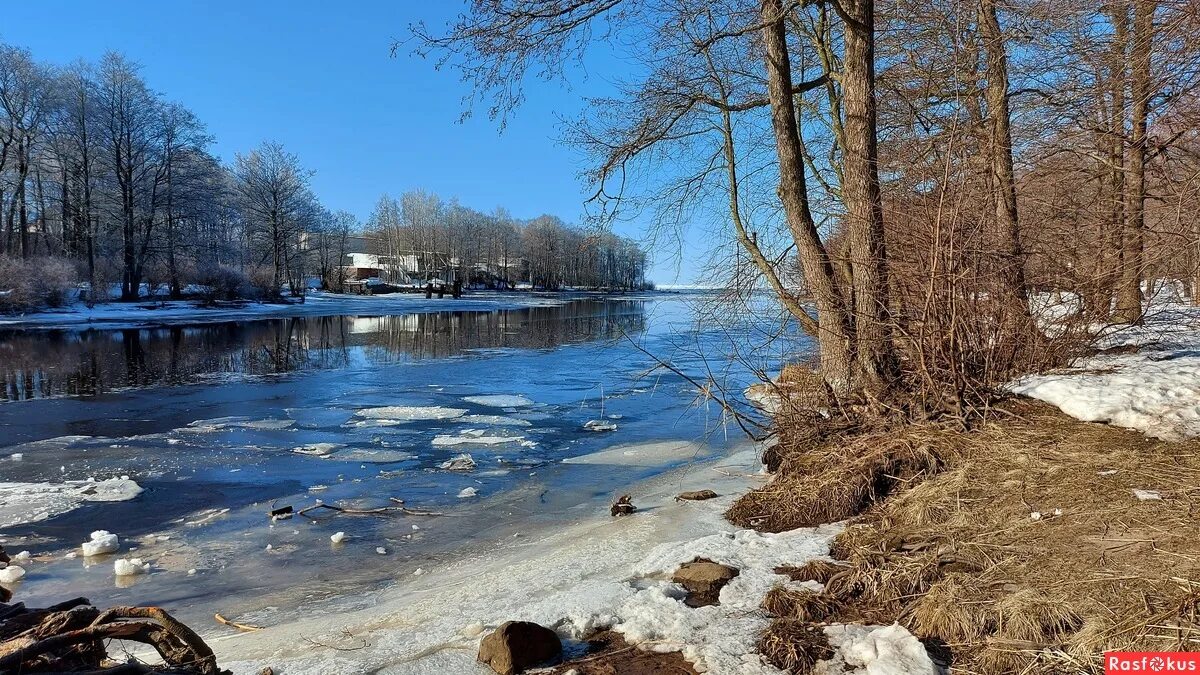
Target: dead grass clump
x,y
840,479
955,609
934,502
1030,615
794,646
800,604
814,570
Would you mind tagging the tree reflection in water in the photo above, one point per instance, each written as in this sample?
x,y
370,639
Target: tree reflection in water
x,y
44,364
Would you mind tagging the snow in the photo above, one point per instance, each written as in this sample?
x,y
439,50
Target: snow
x,y
1155,390
128,567
409,413
1147,495
101,542
11,574
23,503
876,650
500,400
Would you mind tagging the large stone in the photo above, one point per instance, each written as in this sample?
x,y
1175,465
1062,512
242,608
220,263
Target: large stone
x,y
703,579
518,645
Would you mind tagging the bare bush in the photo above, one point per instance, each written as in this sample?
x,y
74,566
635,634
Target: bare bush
x,y
34,283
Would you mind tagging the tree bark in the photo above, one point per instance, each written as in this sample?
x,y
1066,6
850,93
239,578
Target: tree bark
x,y
1129,293
1012,256
833,333
874,358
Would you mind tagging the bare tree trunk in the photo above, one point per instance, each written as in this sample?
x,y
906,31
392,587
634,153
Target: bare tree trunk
x,y
1012,272
874,359
1129,293
832,327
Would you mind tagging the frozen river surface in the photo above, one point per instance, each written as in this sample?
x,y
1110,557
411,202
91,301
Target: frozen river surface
x,y
219,423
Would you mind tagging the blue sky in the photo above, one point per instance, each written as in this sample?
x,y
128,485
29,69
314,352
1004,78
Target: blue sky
x,y
322,83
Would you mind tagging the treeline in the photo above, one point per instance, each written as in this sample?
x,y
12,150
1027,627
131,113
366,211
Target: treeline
x,y
105,180
429,237
912,180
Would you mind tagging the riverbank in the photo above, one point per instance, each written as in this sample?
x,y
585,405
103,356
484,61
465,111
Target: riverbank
x,y
594,574
316,303
1032,543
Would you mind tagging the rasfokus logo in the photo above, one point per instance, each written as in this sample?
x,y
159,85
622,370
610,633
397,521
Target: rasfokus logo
x,y
1151,662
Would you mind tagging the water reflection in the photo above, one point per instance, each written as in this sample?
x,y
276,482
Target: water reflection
x,y
44,364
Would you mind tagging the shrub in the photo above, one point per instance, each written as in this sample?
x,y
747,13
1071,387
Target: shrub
x,y
27,284
226,283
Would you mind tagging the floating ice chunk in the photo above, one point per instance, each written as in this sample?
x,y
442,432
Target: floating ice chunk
x,y
500,400
318,449
463,462
468,492
599,425
407,413
17,456
11,574
337,537
473,437
22,503
381,550
494,421
101,542
1147,495
128,567
22,558
418,572
192,572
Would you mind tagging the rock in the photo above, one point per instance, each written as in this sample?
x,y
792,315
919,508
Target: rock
x,y
697,495
518,645
623,506
703,579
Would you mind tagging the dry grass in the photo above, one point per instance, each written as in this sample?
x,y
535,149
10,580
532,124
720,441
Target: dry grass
x,y
794,646
957,555
813,570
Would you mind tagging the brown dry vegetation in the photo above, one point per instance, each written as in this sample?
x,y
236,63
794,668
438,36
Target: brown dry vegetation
x,y
942,538
610,654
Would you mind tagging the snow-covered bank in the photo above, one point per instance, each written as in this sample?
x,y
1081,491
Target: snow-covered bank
x,y
598,572
118,314
1155,389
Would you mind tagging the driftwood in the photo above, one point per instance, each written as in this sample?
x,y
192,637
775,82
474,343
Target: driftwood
x,y
70,637
399,508
245,627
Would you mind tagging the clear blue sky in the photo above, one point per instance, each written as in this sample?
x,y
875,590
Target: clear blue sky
x,y
317,77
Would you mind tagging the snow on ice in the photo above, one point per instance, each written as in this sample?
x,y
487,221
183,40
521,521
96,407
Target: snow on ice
x,y
22,503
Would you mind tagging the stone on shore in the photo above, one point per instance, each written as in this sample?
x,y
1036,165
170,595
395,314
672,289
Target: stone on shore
x,y
703,579
696,495
518,645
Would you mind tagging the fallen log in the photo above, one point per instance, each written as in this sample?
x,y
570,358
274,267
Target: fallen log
x,y
71,637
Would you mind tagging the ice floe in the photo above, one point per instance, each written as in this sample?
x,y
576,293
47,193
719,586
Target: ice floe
x,y
101,542
23,503
500,400
410,413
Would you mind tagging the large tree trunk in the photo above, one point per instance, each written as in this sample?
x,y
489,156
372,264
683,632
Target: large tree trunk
x,y
874,358
1129,293
1118,71
1012,257
832,327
